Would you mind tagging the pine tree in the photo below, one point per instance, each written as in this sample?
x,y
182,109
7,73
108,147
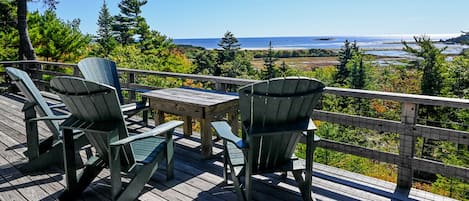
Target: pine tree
x,y
104,33
345,54
431,65
357,74
129,22
229,47
269,71
283,69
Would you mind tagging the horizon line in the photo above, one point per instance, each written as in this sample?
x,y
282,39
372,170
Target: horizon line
x,y
407,35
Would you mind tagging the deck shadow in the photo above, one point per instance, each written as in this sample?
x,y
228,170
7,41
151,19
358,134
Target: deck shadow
x,y
396,195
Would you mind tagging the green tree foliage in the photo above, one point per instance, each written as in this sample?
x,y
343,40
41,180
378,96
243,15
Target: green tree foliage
x,y
205,62
431,65
154,42
357,72
129,24
26,49
104,37
56,40
458,77
240,66
345,54
229,47
270,70
283,69
8,32
171,60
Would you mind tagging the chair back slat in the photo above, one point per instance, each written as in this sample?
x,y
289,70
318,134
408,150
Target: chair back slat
x,y
273,106
32,93
102,71
95,103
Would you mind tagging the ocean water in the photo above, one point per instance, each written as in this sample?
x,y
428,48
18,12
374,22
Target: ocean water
x,y
377,45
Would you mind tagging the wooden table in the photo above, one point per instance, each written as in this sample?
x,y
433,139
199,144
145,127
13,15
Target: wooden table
x,y
195,103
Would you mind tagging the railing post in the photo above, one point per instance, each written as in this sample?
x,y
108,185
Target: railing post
x,y
131,80
34,69
220,86
406,146
76,71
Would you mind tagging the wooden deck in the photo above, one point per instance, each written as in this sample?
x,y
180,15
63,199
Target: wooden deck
x,y
195,179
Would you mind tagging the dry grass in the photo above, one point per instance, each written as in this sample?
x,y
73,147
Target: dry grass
x,y
301,63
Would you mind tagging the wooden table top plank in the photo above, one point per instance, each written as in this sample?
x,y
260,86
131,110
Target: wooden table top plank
x,y
189,96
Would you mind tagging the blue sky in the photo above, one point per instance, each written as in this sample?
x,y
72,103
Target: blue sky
x,y
257,18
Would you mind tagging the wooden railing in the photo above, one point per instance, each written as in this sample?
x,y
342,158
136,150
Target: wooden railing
x,y
407,128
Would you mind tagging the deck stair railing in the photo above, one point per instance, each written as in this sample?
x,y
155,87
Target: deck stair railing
x,y
407,128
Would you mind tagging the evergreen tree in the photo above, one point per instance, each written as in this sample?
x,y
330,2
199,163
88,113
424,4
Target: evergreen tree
x,y
54,39
104,34
357,74
283,69
229,47
270,70
129,22
345,54
431,65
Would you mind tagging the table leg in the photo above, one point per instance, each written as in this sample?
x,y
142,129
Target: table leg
x,y
233,119
159,117
206,138
187,128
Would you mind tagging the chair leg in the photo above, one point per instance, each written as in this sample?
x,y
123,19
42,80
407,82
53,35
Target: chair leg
x,y
248,185
303,184
50,158
169,159
237,185
225,162
136,185
145,118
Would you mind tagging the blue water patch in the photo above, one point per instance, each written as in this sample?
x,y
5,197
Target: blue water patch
x,y
375,45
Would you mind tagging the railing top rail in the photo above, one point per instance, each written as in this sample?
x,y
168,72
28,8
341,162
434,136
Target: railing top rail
x,y
400,97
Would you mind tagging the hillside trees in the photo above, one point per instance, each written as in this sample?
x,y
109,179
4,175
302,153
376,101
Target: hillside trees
x,y
228,60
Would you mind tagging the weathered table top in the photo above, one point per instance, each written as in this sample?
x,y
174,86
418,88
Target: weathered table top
x,y
191,96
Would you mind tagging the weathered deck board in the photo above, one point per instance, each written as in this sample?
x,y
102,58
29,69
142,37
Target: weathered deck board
x,y
195,179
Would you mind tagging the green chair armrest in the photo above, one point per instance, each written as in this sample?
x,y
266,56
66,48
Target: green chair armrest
x,y
135,106
154,132
304,127
224,131
49,118
59,105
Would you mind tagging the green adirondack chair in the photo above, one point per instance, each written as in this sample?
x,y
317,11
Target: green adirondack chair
x,y
275,114
105,71
41,153
95,110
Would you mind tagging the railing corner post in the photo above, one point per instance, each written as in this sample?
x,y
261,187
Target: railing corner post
x,y
407,145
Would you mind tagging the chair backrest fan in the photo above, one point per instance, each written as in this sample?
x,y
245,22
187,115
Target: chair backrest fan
x,y
270,107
